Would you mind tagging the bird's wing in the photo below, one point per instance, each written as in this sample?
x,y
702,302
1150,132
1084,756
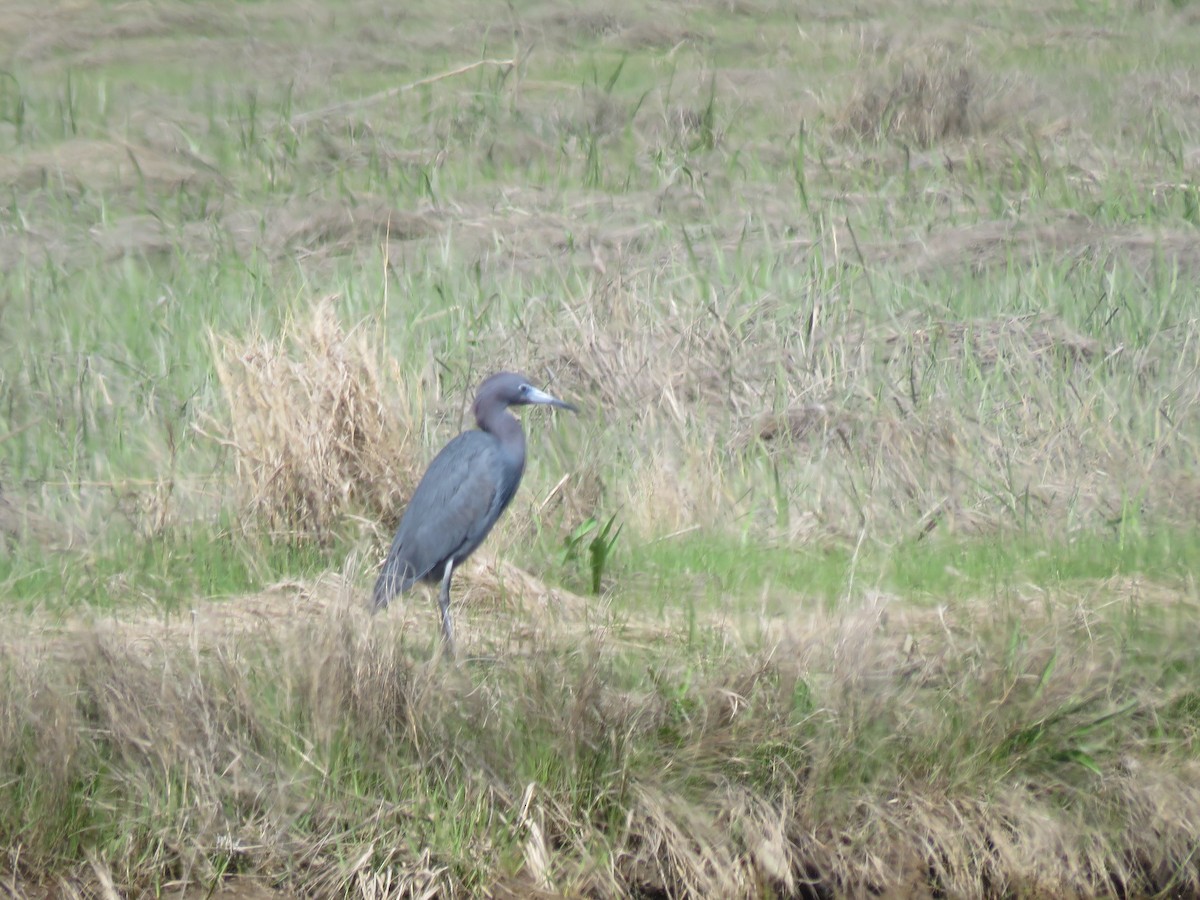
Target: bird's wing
x,y
456,495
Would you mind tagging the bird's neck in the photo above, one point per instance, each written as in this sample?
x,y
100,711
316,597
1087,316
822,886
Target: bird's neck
x,y
505,427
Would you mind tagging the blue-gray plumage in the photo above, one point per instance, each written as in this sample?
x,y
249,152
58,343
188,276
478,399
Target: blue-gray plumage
x,y
466,488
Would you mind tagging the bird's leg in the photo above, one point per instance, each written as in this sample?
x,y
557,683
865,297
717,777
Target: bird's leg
x,y
444,606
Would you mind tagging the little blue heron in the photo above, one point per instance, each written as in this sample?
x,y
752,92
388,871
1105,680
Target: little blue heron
x,y
460,497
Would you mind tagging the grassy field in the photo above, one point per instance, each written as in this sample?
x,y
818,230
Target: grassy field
x,y
883,320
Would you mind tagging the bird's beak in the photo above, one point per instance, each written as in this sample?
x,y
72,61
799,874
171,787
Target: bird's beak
x,y
541,397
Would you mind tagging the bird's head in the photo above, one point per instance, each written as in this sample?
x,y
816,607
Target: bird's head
x,y
509,389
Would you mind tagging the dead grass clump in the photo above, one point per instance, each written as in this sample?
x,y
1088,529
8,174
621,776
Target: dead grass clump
x,y
998,244
804,425
679,851
313,438
326,227
669,492
575,24
1035,339
927,97
656,34
340,226
186,739
104,167
77,31
598,115
148,236
1053,715
888,443
20,521
16,248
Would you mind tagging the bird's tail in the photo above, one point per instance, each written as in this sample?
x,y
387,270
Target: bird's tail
x,y
395,578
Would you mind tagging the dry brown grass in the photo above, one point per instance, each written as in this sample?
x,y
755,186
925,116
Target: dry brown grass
x,y
316,751
83,29
82,168
988,246
103,165
929,94
19,522
319,227
869,421
317,430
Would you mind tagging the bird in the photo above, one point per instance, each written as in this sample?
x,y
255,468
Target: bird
x,y
461,496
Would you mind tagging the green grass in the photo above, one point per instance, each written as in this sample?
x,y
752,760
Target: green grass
x,y
164,573
738,576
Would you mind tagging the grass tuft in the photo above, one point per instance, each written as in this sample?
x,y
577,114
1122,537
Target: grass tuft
x,y
314,440
931,95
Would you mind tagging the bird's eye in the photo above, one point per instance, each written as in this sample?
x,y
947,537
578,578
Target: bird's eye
x,y
525,389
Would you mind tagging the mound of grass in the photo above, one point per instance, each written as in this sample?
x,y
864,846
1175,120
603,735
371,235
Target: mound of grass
x,y
313,438
930,95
